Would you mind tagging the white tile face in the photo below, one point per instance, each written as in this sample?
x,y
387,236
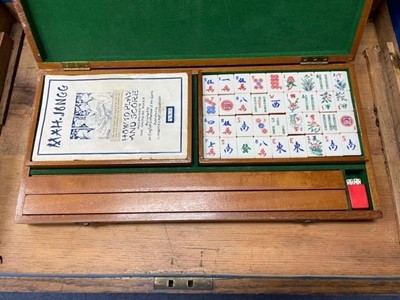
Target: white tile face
x,y
210,84
260,104
261,125
296,123
276,103
262,147
226,84
280,147
294,103
323,81
340,81
278,125
307,81
211,126
326,101
291,82
242,83
315,147
258,83
309,102
313,123
212,147
347,122
227,126
279,115
227,105
228,148
343,101
274,82
245,147
330,123
298,146
210,105
243,104
244,126
332,145
350,144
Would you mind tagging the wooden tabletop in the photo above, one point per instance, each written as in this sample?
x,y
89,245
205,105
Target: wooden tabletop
x,y
327,257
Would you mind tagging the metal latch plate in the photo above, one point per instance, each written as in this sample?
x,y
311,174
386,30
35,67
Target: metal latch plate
x,y
76,66
314,60
183,283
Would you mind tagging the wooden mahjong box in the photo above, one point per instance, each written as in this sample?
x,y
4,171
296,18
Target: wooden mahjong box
x,y
196,111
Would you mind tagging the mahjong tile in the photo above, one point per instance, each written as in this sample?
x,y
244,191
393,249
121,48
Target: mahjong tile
x,y
309,101
350,144
343,100
295,123
227,126
291,82
245,147
276,102
210,105
211,126
242,83
307,81
261,125
260,103
294,103
244,125
280,147
243,104
212,147
258,83
274,82
332,145
323,81
330,122
226,85
262,147
340,81
326,101
315,147
347,122
278,125
227,105
228,148
298,146
210,84
313,122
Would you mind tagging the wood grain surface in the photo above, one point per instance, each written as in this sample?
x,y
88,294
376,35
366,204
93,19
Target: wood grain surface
x,y
252,257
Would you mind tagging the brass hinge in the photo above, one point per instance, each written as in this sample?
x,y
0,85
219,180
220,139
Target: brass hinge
x,y
314,60
76,66
183,283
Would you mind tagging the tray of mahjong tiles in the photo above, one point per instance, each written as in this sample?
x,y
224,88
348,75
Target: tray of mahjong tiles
x,y
261,117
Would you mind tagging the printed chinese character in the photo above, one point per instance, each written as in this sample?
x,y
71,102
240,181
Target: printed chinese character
x,y
245,148
351,145
333,146
297,147
279,148
228,149
244,127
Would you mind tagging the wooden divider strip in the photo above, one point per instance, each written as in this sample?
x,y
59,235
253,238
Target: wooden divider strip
x,y
115,203
161,182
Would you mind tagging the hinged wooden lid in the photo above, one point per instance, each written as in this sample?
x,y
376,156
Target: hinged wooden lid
x,y
165,33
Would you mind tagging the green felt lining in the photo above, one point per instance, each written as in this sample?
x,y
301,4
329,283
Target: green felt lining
x,y
127,30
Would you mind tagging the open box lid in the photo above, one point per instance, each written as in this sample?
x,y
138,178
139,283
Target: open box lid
x,y
165,33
